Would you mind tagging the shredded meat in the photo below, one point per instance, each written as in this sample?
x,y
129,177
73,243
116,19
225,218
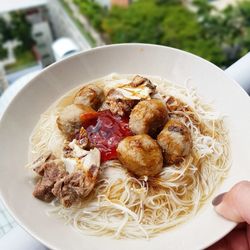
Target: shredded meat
x,y
121,106
117,104
73,187
50,172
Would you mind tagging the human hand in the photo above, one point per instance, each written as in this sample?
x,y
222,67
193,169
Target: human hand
x,y
235,205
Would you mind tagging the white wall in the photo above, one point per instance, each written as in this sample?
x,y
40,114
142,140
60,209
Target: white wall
x,y
42,35
63,26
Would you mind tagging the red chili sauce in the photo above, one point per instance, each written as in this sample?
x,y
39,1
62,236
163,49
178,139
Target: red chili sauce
x,y
105,131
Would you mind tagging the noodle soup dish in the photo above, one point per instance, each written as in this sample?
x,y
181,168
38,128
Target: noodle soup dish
x,y
128,156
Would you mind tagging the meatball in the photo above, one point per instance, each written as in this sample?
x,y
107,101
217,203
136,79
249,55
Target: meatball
x,y
141,155
176,141
148,117
69,121
90,95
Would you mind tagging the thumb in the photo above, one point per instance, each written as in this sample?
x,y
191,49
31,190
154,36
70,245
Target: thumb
x,y
235,204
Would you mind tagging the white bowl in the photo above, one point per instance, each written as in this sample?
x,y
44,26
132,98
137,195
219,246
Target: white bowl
x,y
23,113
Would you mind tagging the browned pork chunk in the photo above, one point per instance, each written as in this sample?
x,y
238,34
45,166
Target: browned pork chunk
x,y
90,95
69,121
148,117
141,155
50,173
176,141
56,182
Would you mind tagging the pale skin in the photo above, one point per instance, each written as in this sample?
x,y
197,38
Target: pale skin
x,y
235,205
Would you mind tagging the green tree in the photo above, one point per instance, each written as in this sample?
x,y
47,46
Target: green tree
x,y
21,30
204,9
5,35
226,28
182,31
138,23
93,11
164,2
219,36
186,33
161,22
5,31
244,12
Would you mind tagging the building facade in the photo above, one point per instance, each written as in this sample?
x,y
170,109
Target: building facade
x,y
41,33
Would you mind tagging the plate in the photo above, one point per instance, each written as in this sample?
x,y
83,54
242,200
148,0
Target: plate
x,y
206,227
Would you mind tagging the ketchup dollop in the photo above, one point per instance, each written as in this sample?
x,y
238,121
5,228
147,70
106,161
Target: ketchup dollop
x,y
105,131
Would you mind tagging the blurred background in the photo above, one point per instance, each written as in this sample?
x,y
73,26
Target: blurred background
x,y
35,33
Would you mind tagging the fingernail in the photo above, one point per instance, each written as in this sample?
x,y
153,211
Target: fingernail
x,y
218,199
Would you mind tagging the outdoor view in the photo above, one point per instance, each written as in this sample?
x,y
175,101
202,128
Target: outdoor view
x,y
218,30
16,35
220,36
